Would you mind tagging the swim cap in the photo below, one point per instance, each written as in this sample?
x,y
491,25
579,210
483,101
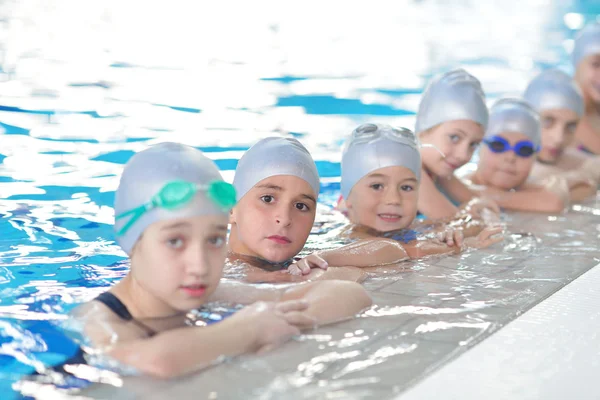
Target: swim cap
x,y
146,175
587,42
553,89
514,115
275,156
374,146
455,95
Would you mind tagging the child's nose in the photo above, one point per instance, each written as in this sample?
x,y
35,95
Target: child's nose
x,y
283,216
393,197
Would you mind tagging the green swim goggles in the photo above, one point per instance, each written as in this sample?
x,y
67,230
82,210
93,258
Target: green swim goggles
x,y
176,194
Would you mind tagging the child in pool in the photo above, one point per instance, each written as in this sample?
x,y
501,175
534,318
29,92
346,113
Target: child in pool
x,y
277,185
511,143
560,104
586,60
381,170
171,211
451,121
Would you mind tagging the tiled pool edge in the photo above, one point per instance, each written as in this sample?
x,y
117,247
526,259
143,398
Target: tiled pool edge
x,y
549,352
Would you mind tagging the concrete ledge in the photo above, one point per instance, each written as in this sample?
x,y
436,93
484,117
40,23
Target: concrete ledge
x,y
550,352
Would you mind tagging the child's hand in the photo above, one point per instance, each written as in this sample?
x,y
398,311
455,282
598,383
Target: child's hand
x,y
476,206
451,237
485,238
276,322
303,266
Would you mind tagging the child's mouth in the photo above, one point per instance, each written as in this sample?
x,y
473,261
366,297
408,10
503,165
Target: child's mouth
x,y
390,217
194,290
280,239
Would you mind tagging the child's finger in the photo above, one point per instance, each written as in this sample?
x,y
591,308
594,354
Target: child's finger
x,y
319,261
304,267
449,238
291,305
458,238
486,233
294,270
300,320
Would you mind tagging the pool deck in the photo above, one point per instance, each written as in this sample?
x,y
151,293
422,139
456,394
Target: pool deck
x,y
446,322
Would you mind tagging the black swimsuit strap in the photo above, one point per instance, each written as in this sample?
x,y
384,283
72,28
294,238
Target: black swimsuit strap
x,y
115,305
111,301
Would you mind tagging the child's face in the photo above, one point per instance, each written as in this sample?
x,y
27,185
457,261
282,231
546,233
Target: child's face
x,y
505,170
181,261
384,200
558,130
456,139
588,77
273,220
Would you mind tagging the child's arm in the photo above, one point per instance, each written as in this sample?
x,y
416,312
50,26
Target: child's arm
x,y
529,199
424,248
363,253
184,350
324,298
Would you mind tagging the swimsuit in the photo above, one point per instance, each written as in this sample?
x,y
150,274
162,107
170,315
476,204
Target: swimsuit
x,y
403,235
584,149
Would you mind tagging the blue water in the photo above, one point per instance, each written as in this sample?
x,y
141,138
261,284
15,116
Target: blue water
x,y
84,87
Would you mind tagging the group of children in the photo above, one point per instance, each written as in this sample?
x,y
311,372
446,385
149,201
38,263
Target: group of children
x,y
181,224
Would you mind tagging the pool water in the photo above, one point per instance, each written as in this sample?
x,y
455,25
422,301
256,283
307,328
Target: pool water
x,y
83,87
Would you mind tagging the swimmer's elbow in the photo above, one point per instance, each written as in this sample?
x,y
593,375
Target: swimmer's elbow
x,y
162,367
152,362
364,299
553,204
391,252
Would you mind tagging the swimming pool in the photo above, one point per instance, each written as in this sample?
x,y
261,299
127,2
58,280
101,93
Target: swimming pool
x,y
82,91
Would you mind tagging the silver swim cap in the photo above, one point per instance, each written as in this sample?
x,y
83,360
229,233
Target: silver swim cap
x,y
374,146
275,156
166,181
587,42
455,95
553,89
514,115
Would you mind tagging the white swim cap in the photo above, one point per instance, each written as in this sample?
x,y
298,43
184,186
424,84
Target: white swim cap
x,y
553,89
587,42
455,95
275,156
375,146
167,181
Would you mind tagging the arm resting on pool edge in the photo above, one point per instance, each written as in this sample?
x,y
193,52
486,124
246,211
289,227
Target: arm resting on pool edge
x,y
328,301
366,253
181,351
534,199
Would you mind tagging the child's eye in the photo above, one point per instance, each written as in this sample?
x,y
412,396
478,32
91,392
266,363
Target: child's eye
x,y
407,188
454,138
572,127
267,198
175,243
217,241
376,186
302,207
548,122
474,145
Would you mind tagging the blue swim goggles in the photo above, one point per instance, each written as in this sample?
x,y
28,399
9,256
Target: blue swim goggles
x,y
176,194
524,148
